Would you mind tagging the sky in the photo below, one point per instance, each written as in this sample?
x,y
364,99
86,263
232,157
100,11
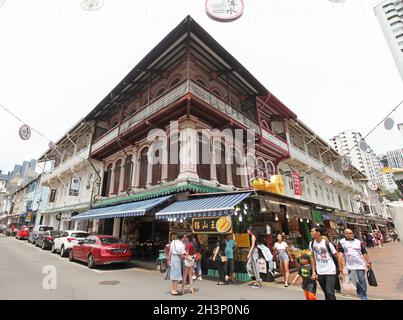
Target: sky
x,y
328,62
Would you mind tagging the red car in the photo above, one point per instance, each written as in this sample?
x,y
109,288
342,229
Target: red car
x,y
23,232
100,250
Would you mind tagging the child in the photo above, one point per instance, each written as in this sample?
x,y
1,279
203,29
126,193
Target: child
x,y
305,271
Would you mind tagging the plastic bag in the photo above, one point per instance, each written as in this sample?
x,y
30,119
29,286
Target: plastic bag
x,y
348,282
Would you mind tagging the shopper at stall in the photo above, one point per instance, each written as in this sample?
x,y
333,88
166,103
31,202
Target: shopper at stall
x,y
198,248
230,247
324,259
176,254
189,263
220,259
253,257
282,252
354,256
305,271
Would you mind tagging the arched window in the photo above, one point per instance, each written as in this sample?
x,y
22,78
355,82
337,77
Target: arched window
x,y
175,82
157,162
203,157
201,82
261,169
143,168
221,167
270,170
118,169
173,157
107,181
128,173
236,168
265,125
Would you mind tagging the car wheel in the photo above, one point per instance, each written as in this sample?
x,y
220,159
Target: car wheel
x,y
62,252
91,263
53,250
43,245
71,258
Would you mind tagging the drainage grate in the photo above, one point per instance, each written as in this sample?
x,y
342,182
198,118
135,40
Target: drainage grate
x,y
109,283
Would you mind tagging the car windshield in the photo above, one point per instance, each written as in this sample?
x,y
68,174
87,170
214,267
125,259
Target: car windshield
x,y
79,235
109,240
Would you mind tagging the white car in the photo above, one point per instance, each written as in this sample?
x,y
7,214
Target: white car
x,y
67,240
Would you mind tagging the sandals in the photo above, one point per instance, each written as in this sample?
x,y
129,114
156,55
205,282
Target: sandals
x,y
176,294
220,283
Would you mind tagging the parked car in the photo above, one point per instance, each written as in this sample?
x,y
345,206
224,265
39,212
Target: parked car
x,y
13,228
65,242
23,233
100,250
45,239
36,231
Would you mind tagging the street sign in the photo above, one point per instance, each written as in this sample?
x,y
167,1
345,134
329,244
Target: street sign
x,y
225,10
25,132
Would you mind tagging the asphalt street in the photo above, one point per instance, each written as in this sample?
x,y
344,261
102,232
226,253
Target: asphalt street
x,y
24,274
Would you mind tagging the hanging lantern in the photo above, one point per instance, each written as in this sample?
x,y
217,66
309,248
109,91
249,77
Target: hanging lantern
x,y
389,124
276,217
300,220
240,218
25,132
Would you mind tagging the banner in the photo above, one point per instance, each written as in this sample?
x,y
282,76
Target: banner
x,y
297,184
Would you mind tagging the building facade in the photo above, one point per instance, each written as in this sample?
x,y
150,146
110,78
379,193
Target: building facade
x,y
390,17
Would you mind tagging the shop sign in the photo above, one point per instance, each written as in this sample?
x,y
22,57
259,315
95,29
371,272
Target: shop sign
x,y
242,240
327,216
212,225
225,10
297,184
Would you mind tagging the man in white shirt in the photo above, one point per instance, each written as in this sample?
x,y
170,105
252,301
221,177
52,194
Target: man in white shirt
x,y
354,256
324,259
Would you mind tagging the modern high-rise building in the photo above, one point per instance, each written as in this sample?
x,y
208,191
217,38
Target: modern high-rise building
x,y
395,158
348,143
390,18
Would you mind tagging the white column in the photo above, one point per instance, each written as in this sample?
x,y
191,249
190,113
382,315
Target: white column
x,y
116,227
134,169
112,184
165,159
122,174
149,172
213,169
188,149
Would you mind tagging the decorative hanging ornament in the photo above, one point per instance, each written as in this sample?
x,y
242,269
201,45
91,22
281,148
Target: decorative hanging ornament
x,y
345,163
25,132
225,10
91,5
389,124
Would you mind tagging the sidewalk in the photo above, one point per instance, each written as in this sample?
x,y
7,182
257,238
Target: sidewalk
x,y
387,264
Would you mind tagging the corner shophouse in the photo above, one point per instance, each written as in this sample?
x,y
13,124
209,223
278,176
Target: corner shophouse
x,y
72,179
189,78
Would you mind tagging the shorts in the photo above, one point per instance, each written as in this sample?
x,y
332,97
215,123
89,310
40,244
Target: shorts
x,y
310,295
283,257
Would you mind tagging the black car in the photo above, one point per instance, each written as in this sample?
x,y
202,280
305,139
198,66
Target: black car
x,y
45,239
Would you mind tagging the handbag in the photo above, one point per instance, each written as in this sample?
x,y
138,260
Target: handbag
x,y
167,274
371,278
223,258
197,256
189,261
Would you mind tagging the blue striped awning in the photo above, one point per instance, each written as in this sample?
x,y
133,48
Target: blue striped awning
x,y
207,206
132,209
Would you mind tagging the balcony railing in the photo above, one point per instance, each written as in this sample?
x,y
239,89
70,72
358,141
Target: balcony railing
x,y
67,164
173,95
273,139
319,166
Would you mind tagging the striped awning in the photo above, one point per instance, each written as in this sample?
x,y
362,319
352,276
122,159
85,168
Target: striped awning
x,y
207,206
132,209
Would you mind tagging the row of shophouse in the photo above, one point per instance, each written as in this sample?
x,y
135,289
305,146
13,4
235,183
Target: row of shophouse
x,y
104,180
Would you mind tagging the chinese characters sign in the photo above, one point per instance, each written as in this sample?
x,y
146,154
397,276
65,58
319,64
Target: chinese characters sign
x,y
297,184
225,10
212,225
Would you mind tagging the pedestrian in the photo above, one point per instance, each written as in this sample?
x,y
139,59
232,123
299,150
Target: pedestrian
x,y
230,247
354,256
305,272
370,239
379,237
282,252
220,258
189,263
197,247
324,260
176,255
253,257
